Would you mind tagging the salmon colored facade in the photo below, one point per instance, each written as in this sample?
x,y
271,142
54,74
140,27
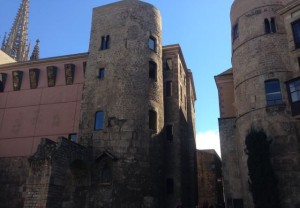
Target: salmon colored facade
x,y
27,115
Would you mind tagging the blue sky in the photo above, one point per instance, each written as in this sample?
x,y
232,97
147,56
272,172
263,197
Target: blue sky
x,y
201,27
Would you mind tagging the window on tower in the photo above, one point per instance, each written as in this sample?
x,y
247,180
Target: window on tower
x,y
105,42
270,26
101,73
235,32
169,132
153,120
152,43
296,32
169,88
99,120
293,87
273,92
169,64
152,70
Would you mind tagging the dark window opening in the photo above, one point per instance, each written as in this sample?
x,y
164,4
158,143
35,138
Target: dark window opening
x,y
69,73
267,26
84,67
99,120
294,89
170,186
17,80
296,33
51,75
169,88
169,132
152,43
72,137
273,25
235,32
34,78
152,70
105,174
101,73
152,120
273,92
169,64
3,77
105,42
270,26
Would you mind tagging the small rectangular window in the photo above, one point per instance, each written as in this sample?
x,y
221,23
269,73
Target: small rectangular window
x,y
3,77
34,75
99,120
51,75
294,88
101,73
273,92
169,88
152,120
69,73
267,26
169,132
235,32
152,43
273,25
73,137
152,70
170,186
169,64
296,33
17,80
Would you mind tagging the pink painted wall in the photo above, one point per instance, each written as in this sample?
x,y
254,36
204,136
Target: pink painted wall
x,y
28,115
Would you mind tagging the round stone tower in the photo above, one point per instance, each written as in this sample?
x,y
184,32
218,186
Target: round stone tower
x,y
260,68
122,106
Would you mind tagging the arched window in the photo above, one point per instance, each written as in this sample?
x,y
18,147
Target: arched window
x,y
273,92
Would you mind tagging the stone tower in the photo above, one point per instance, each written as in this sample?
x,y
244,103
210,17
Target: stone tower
x,y
261,65
122,105
15,45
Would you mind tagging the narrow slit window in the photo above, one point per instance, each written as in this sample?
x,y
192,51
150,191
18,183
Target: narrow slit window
x,y
152,120
273,92
69,73
152,70
84,67
273,25
235,32
99,120
17,80
170,186
267,26
107,42
51,75
169,88
152,43
101,73
169,132
34,75
3,77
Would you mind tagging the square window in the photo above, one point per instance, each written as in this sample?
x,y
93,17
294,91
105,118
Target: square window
x,y
73,137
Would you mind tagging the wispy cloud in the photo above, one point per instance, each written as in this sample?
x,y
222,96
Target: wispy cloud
x,y
208,140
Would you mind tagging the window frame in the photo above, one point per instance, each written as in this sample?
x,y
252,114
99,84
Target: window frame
x,y
153,70
269,93
19,78
34,79
153,40
51,75
295,26
101,73
100,126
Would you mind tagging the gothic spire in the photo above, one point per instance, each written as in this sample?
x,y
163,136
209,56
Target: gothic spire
x,y
16,44
36,51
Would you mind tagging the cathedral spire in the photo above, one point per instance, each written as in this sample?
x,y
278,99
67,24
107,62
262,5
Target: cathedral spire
x,y
36,51
16,44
